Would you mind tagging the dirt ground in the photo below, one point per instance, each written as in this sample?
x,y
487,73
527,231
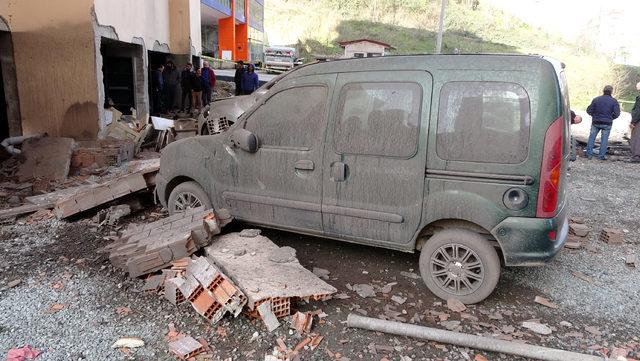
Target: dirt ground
x,y
596,293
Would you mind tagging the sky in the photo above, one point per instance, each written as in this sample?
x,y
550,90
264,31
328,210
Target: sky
x,y
612,26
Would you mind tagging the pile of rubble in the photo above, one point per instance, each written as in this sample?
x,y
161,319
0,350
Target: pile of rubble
x,y
241,272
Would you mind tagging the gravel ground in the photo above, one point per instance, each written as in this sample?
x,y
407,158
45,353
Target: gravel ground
x,y
57,263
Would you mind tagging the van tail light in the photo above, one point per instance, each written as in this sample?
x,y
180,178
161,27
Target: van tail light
x,y
551,170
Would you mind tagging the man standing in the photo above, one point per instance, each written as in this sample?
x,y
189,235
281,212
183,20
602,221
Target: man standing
x,y
209,83
157,85
575,119
237,78
603,110
186,80
171,81
250,80
635,130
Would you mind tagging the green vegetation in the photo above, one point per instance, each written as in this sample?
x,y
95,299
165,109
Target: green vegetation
x,y
315,27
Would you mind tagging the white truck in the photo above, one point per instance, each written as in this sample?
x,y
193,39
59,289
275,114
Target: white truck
x,y
279,58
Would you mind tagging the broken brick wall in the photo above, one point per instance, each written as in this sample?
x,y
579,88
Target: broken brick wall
x,y
55,66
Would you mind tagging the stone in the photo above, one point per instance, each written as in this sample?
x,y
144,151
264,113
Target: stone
x,y
537,327
364,290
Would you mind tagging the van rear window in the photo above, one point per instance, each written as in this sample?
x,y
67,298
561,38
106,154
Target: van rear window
x,y
484,122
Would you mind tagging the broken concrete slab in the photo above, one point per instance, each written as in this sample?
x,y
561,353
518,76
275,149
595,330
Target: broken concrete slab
x,y
262,279
46,157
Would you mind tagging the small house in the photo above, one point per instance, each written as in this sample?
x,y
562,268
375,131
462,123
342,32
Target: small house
x,y
364,48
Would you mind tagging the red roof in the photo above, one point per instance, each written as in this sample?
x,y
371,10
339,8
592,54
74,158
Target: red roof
x,y
345,43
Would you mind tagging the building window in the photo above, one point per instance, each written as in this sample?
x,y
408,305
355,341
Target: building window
x,y
240,8
256,15
358,55
378,119
292,118
483,122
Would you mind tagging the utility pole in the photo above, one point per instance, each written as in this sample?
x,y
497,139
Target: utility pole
x,y
440,28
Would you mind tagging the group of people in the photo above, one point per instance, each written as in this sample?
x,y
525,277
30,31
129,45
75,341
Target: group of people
x,y
604,110
196,86
245,78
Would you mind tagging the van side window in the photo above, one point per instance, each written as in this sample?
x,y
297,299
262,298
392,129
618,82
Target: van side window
x,y
483,122
291,118
378,119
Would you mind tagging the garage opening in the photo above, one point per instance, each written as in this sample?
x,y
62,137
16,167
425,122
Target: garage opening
x,y
9,106
122,65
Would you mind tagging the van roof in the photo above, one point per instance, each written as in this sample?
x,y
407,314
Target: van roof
x,y
427,61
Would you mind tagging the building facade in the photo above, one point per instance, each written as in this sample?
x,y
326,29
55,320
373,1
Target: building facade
x,y
233,29
62,61
364,48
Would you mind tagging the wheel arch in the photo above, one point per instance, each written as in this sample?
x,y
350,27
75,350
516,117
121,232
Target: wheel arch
x,y
447,223
173,183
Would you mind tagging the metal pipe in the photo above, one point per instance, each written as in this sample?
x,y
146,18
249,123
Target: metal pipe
x,y
9,143
467,340
441,27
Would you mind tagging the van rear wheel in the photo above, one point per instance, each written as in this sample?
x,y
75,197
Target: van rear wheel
x,y
187,195
460,264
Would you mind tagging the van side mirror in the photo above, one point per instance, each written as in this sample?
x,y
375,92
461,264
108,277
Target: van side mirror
x,y
244,140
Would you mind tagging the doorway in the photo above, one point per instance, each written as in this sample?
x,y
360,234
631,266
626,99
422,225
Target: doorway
x,y
121,63
10,124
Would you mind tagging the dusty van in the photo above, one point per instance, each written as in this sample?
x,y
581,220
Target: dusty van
x,y
460,157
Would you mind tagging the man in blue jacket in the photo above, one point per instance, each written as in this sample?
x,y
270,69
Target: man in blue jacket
x,y
603,110
250,80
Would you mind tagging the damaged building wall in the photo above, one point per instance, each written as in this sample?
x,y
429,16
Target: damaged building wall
x,y
54,66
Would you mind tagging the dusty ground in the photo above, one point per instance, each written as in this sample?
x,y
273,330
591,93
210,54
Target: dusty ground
x,y
57,264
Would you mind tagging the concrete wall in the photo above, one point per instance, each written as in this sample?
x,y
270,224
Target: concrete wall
x,y
363,47
55,65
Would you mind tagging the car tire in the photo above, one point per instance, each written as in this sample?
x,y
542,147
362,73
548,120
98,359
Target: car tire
x,y
460,264
187,195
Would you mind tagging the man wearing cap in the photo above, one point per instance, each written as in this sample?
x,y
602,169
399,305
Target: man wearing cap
x,y
603,110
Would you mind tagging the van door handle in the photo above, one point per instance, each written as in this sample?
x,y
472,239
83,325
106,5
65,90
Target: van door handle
x,y
305,165
338,172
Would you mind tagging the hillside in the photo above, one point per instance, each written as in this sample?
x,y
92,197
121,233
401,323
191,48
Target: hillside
x,y
315,27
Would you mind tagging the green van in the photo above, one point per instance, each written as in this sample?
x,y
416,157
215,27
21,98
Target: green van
x,y
460,157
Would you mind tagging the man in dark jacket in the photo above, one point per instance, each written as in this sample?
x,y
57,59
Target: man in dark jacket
x,y
250,80
157,87
209,83
186,79
635,130
171,81
603,110
237,78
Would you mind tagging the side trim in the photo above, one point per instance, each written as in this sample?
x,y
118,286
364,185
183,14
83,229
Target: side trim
x,y
363,213
313,207
278,202
485,177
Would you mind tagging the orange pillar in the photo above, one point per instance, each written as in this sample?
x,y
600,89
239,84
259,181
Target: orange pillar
x,y
242,35
227,34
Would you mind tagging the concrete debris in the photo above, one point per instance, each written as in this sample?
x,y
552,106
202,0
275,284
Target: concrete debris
x,y
545,302
250,233
631,260
186,348
321,272
111,216
46,157
283,255
574,242
263,280
537,327
268,317
579,229
302,322
364,290
172,290
612,236
411,275
154,246
456,305
398,299
128,342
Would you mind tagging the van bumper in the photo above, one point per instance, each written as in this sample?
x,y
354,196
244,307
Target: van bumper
x,y
161,188
528,241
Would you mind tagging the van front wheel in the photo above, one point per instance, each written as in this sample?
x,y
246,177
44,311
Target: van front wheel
x,y
187,195
460,264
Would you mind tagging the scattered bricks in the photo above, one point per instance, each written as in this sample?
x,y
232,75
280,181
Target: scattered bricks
x,y
190,288
211,226
573,242
205,305
579,229
186,348
612,236
268,317
172,290
107,152
302,322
